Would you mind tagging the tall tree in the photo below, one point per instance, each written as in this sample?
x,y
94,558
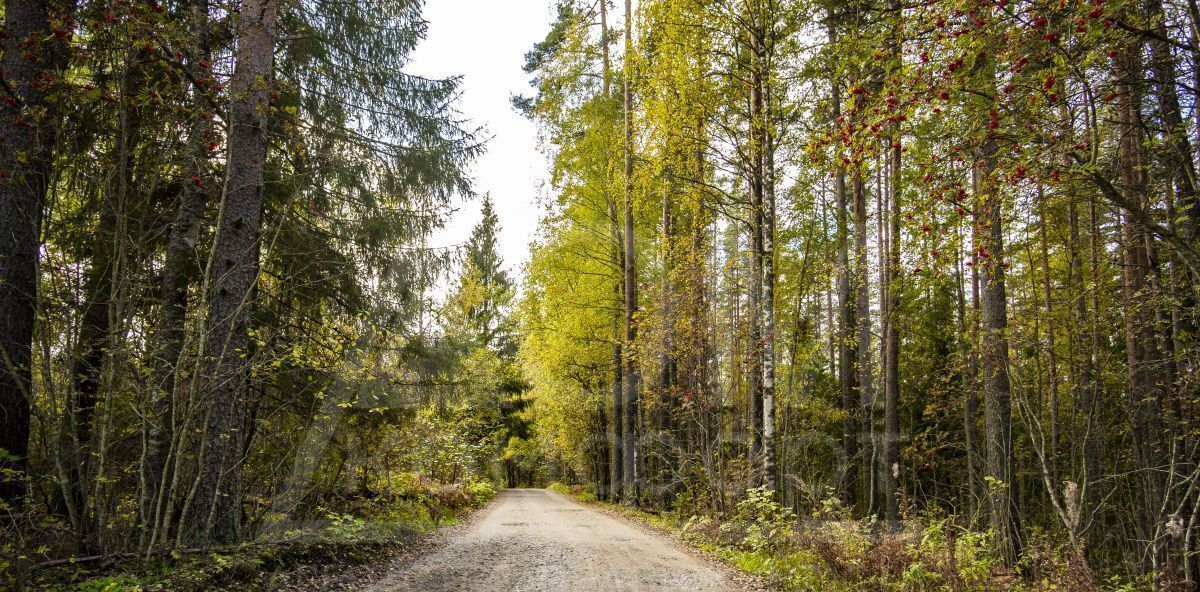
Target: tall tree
x,y
764,32
216,498
180,269
484,315
630,430
890,293
990,258
845,306
755,136
1143,356
617,249
34,56
891,340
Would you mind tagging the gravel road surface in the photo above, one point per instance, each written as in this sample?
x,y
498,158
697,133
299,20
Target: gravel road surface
x,y
533,540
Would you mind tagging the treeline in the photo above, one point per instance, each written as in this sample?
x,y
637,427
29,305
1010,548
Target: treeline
x,y
214,281
898,259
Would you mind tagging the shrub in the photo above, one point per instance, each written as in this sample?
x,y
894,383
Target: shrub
x,y
118,583
480,491
767,524
346,527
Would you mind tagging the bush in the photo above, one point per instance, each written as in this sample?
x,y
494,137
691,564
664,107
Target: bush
x,y
766,523
118,583
480,491
833,555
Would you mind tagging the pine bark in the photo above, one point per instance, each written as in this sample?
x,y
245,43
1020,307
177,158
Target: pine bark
x,y
990,259
215,517
28,128
1143,357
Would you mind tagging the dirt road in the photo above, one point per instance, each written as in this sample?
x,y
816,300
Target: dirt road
x,y
532,540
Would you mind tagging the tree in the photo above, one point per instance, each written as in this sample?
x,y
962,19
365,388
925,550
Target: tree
x,y
180,271
484,290
31,70
216,513
630,430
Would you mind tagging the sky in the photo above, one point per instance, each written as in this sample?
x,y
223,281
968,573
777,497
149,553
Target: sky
x,y
485,42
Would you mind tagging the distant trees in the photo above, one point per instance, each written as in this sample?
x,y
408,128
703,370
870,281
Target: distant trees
x,y
1015,177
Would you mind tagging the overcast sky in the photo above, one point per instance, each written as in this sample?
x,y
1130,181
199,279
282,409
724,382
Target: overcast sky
x,y
485,41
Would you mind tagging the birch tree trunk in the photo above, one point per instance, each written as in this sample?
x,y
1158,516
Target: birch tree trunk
x,y
891,344
765,36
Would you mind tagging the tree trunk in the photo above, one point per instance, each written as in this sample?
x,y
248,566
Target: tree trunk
x,y
989,258
862,343
971,388
215,517
1051,350
28,127
616,431
768,277
1141,340
179,270
754,180
630,477
845,320
994,343
891,344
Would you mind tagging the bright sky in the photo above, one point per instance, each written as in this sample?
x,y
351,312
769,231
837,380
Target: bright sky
x,y
485,41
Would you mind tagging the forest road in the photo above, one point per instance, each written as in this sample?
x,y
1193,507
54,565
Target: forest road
x,y
533,540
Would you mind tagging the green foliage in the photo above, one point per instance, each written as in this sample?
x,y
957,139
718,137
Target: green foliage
x,y
767,523
346,527
119,583
480,491
844,555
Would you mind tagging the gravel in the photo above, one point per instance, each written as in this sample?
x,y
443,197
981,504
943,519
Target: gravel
x,y
532,540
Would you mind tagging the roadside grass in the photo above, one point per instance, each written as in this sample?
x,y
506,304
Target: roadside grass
x,y
831,553
357,533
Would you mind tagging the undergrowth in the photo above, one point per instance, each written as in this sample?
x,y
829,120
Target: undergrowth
x,y
360,530
830,553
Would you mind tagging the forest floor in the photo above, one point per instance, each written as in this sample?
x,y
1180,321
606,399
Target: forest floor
x,y
534,540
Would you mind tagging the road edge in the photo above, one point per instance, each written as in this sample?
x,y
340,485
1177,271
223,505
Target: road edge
x,y
641,520
372,575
